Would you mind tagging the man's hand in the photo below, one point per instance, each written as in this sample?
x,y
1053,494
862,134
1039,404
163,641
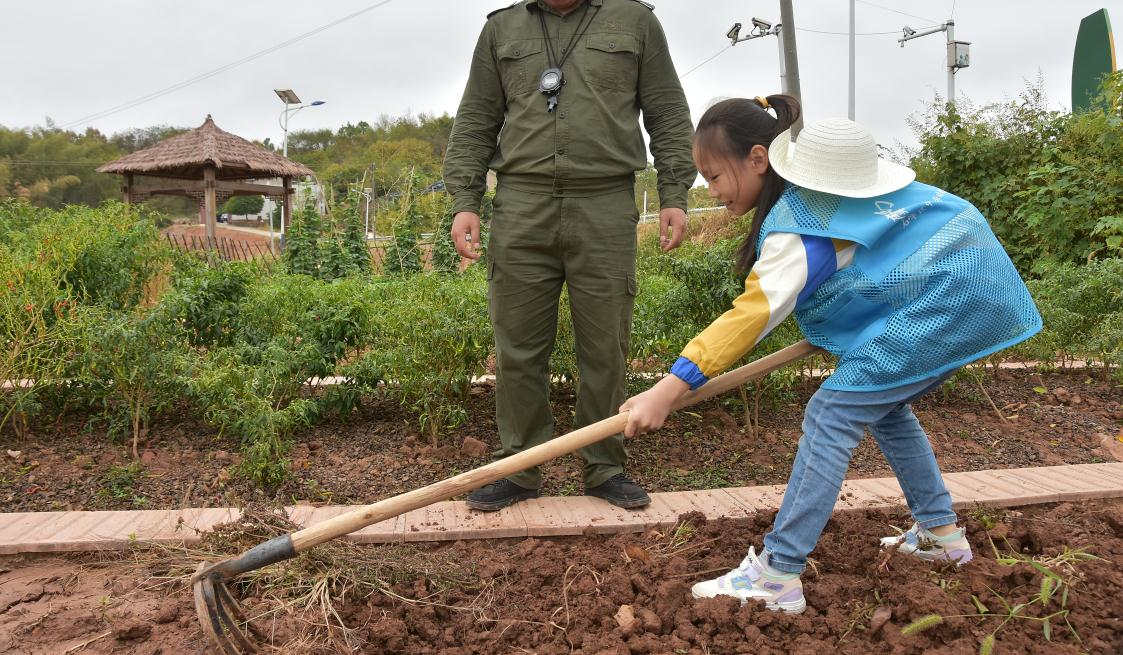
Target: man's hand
x,y
672,228
466,234
648,410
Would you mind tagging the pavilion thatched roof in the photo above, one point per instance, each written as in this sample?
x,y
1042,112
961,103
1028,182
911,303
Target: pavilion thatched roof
x,y
185,156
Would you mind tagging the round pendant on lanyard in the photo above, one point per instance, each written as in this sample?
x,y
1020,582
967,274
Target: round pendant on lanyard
x,y
552,79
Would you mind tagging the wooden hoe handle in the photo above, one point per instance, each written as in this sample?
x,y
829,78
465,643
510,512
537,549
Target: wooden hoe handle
x,y
567,443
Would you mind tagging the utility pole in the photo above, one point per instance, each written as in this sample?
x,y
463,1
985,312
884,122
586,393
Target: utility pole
x,y
791,62
784,31
958,55
850,107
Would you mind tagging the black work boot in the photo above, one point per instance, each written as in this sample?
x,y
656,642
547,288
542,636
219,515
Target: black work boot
x,y
497,495
620,491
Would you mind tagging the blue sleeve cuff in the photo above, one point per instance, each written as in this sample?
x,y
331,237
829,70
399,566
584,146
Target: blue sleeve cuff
x,y
689,373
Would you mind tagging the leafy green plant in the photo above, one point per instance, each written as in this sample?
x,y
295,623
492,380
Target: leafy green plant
x,y
244,205
240,397
1049,183
205,300
127,363
431,337
301,255
1080,306
119,481
445,259
403,256
53,263
1049,605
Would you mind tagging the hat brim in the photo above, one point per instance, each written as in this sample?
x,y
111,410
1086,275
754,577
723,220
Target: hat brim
x,y
890,176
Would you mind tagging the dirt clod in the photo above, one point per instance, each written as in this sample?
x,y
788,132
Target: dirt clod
x,y
881,616
474,447
132,629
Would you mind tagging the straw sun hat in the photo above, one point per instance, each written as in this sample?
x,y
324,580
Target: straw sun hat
x,y
839,157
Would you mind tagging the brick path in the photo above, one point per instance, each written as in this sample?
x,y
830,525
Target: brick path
x,y
556,516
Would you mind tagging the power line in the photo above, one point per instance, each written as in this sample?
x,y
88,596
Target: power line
x,y
221,69
804,29
801,29
895,11
706,61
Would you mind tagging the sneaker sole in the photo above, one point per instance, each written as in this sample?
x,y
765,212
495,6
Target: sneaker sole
x,y
497,505
793,607
624,503
959,556
790,607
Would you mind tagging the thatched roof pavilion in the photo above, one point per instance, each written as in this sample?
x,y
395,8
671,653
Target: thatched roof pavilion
x,y
210,165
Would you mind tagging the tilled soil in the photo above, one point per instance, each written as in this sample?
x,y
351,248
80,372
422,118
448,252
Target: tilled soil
x,y
630,594
1061,418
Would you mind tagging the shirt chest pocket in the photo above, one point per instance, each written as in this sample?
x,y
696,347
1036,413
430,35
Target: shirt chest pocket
x,y
611,60
520,65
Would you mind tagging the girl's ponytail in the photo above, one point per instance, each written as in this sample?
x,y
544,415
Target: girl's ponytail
x,y
731,128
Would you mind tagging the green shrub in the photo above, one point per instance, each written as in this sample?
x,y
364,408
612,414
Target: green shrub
x,y
445,259
302,241
1050,184
1080,306
204,299
245,399
431,336
53,262
126,364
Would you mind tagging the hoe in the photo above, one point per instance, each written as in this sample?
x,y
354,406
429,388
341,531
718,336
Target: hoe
x,y
222,618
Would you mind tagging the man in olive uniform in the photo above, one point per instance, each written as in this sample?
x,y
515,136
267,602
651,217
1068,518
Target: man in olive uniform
x,y
552,105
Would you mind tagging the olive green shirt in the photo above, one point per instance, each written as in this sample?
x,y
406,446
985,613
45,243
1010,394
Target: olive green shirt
x,y
591,143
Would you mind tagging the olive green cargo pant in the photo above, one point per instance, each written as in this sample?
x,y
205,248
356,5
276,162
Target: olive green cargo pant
x,y
537,243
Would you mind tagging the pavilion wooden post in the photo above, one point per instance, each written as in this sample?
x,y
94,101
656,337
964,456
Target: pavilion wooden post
x,y
286,206
127,189
209,202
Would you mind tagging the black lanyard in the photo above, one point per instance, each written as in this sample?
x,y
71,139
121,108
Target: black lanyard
x,y
552,79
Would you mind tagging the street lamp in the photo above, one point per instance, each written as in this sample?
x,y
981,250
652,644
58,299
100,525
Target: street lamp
x,y
288,97
368,194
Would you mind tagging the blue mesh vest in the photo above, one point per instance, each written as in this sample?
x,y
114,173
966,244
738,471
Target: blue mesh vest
x,y
930,288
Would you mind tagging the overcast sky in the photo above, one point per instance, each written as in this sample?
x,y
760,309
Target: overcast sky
x,y
70,59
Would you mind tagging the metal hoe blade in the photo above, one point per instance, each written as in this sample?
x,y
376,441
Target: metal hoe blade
x,y
220,616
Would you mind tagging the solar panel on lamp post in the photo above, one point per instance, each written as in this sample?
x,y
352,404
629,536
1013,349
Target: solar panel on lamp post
x,y
289,97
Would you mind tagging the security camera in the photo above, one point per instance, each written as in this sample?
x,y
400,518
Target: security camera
x,y
762,24
734,32
908,30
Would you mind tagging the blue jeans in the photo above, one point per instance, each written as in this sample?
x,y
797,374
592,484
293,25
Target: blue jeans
x,y
833,426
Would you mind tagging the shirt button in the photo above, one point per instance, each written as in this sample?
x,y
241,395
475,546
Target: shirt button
x,y
563,51
516,53
611,46
561,115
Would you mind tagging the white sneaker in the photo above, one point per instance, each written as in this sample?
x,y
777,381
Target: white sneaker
x,y
920,542
752,581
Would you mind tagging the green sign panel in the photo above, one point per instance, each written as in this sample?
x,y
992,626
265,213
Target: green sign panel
x,y
1094,58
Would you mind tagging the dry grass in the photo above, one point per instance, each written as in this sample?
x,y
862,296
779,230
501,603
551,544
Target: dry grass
x,y
304,596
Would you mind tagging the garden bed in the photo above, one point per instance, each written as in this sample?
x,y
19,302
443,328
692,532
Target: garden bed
x,y
618,594
1057,418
